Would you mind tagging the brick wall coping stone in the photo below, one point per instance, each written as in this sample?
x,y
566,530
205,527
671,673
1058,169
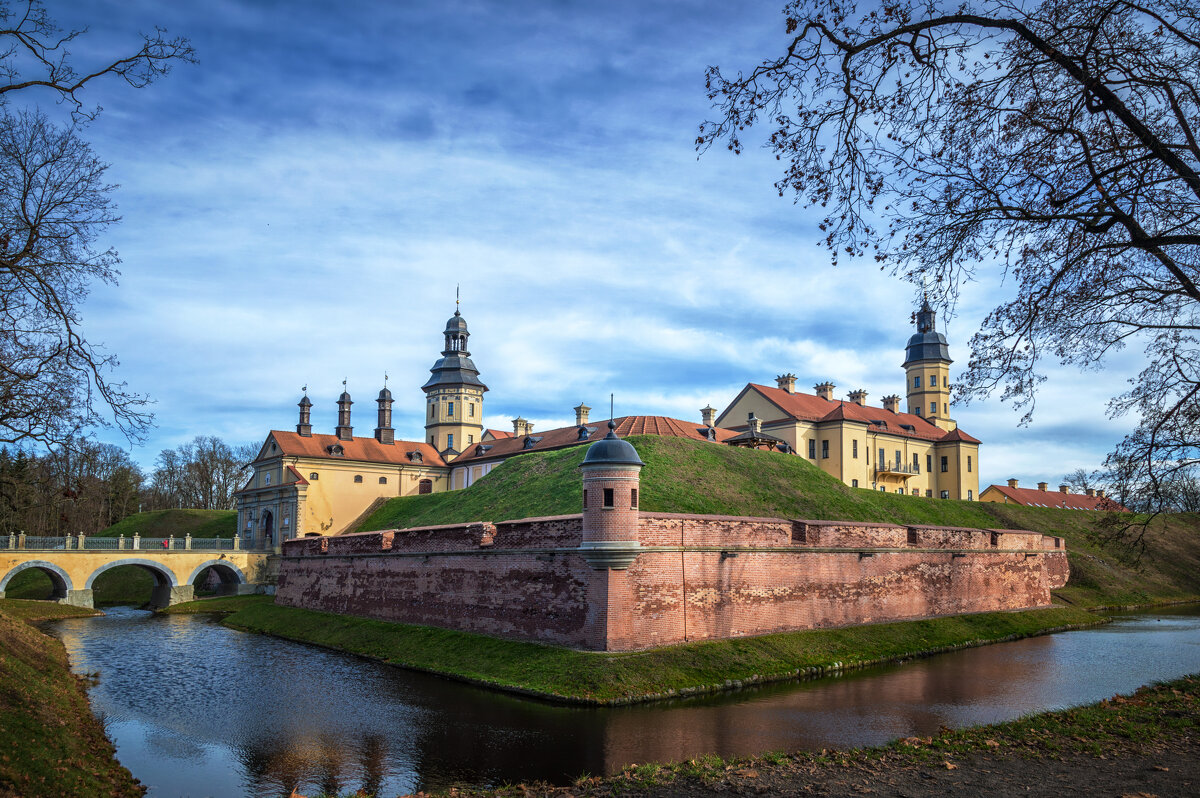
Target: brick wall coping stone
x,y
699,517
488,552
435,527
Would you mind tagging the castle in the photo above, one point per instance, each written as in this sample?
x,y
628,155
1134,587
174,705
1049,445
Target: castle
x,y
307,483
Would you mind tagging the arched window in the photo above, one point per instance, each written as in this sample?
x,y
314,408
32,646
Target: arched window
x,y
314,475
357,478
425,486
383,480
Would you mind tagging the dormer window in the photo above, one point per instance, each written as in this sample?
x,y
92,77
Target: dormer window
x,y
274,448
335,450
414,456
583,433
530,441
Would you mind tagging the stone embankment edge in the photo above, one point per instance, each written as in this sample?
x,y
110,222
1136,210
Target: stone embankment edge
x,y
799,674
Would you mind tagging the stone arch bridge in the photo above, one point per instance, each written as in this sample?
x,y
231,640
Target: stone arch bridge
x,y
73,571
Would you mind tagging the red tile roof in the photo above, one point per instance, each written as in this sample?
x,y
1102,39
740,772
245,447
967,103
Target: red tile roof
x,y
569,436
293,444
807,407
497,434
1030,497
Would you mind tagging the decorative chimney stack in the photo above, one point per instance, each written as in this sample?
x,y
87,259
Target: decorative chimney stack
x,y
611,471
1064,488
786,382
755,424
825,390
581,414
1043,485
1012,483
858,397
1100,493
1091,492
304,428
522,427
708,416
384,432
344,431
891,403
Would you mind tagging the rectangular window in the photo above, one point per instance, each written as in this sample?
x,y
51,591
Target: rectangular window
x,y
470,439
854,483
968,464
916,463
933,408
928,494
945,408
969,496
450,409
917,410
929,463
431,410
900,491
945,464
450,441
812,449
916,492
471,411
854,449
608,497
633,499
585,498
932,380
916,382
945,494
899,459
824,450
882,459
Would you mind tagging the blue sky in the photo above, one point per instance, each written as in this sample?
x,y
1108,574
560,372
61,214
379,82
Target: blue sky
x,y
299,206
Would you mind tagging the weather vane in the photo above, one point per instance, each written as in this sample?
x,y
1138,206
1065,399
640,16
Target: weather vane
x,y
385,379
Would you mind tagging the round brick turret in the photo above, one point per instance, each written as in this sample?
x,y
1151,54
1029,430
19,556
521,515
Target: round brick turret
x,y
611,471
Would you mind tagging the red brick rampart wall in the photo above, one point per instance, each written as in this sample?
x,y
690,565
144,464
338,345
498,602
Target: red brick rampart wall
x,y
695,578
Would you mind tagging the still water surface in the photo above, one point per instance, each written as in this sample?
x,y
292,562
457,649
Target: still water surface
x,y
196,709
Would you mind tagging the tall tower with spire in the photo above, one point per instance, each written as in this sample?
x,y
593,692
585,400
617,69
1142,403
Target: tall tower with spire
x,y
927,369
454,393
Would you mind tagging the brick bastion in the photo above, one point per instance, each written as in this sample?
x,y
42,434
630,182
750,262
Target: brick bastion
x,y
613,578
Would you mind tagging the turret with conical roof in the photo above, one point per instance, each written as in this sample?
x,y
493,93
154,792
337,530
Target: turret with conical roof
x,y
927,370
454,393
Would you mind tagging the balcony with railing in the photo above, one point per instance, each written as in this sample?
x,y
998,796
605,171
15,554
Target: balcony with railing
x,y
898,469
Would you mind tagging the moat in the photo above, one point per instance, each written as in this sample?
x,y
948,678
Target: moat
x,y
197,709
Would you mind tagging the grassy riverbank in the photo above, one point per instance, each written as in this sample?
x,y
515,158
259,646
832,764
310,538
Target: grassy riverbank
x,y
595,678
1146,744
50,742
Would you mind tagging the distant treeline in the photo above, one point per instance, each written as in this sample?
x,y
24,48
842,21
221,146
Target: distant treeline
x,y
88,486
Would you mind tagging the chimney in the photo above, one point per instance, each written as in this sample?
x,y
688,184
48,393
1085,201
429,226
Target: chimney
x,y
344,431
1064,488
858,397
383,429
786,382
304,428
1091,492
1043,486
891,403
581,414
1100,493
708,415
521,426
1012,483
755,424
825,390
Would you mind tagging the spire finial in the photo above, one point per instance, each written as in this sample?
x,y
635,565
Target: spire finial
x,y
456,300
343,383
305,389
385,379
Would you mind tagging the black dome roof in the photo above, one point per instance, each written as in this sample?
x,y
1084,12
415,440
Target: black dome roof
x,y
611,450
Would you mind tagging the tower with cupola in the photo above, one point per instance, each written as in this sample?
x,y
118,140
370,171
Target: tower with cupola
x,y
454,393
927,370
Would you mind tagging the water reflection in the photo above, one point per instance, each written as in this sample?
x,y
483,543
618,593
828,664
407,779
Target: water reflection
x,y
198,709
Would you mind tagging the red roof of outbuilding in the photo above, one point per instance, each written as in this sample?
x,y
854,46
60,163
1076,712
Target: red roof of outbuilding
x,y
1030,497
807,407
569,436
369,450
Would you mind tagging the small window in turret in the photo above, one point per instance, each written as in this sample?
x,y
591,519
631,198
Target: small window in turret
x,y
633,500
471,411
608,497
450,409
932,380
917,382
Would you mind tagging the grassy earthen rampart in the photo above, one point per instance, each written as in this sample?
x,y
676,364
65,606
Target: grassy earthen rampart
x,y
686,476
562,674
50,742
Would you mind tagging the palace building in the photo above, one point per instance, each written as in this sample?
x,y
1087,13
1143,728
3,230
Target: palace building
x,y
312,483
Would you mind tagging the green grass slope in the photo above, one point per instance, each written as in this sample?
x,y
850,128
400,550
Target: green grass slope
x,y
686,476
163,523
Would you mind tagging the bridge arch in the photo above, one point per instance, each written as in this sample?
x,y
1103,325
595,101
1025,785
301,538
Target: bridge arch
x,y
58,577
230,574
163,576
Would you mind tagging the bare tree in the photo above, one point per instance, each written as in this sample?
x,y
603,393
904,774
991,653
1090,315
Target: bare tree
x,y
202,474
1054,142
1079,480
54,206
